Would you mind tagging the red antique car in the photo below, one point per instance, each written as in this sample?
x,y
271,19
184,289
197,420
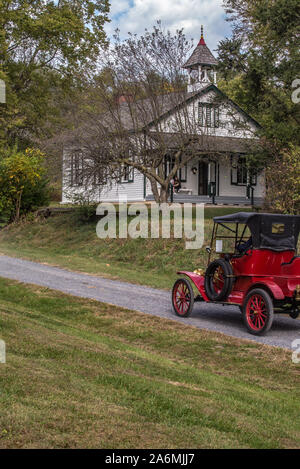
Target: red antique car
x,y
260,273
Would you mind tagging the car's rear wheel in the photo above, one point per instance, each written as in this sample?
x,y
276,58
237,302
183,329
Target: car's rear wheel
x,y
258,311
182,297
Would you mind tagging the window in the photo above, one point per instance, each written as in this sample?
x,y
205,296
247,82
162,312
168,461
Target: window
x,y
183,174
97,179
278,228
217,116
240,173
169,163
127,174
208,115
77,168
201,114
100,176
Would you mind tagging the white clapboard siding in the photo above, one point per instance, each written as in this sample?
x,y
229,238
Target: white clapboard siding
x,y
228,189
134,191
229,119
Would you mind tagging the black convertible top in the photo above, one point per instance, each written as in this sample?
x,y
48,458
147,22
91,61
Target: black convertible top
x,y
269,230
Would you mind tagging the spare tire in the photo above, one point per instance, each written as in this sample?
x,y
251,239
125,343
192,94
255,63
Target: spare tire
x,y
219,280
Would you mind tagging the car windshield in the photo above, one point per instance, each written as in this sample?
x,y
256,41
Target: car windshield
x,y
231,238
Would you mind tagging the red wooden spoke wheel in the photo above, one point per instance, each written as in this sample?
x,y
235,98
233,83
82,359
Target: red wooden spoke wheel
x,y
182,297
258,311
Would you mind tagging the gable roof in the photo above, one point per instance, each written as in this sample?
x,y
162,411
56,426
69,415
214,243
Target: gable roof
x,y
189,97
146,115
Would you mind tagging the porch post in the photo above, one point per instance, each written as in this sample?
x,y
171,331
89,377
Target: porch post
x,y
250,194
212,185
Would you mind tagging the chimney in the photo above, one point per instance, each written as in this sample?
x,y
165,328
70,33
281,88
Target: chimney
x,y
124,98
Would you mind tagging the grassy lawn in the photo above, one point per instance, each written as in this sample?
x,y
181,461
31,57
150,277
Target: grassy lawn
x,y
62,241
85,374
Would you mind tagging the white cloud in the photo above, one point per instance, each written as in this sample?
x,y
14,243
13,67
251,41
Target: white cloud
x,y
136,15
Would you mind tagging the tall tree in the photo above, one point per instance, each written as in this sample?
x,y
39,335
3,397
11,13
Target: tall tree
x,y
266,38
46,48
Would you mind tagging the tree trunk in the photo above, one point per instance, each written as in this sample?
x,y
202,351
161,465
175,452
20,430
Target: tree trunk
x,y
164,193
155,190
160,195
18,206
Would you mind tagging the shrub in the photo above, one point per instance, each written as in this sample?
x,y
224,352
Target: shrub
x,y
23,183
85,211
283,182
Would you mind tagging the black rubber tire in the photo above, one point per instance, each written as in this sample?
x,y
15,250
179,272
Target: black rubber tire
x,y
269,311
228,280
190,298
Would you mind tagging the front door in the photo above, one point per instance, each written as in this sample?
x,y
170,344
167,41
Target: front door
x,y
202,178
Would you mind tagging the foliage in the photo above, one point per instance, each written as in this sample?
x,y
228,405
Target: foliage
x,y
231,58
85,211
263,58
283,182
23,185
46,49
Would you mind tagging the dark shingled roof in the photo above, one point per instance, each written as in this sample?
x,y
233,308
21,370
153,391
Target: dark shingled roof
x,y
145,111
212,144
201,56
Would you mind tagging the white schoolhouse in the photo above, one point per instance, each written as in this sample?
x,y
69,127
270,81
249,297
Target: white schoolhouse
x,y
222,173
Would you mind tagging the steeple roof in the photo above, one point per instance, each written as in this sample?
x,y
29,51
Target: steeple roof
x,y
201,55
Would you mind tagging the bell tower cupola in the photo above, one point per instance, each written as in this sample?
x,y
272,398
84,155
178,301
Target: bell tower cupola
x,y
201,67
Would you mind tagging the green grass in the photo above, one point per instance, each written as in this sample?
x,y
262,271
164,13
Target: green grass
x,y
62,241
85,374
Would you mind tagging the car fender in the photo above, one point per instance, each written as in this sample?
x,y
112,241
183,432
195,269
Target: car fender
x,y
198,281
262,282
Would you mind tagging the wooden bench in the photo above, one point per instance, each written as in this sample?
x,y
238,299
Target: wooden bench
x,y
185,191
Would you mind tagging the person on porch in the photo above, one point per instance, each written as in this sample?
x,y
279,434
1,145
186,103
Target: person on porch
x,y
176,184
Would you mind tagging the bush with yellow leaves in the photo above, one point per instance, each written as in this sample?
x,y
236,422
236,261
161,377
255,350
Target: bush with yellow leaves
x,y
23,184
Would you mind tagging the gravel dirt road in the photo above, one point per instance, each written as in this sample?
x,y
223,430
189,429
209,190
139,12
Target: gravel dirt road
x,y
224,319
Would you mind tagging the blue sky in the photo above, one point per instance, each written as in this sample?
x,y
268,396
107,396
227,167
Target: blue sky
x,y
136,15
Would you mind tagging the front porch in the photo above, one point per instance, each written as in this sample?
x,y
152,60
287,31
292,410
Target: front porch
x,y
217,200
216,179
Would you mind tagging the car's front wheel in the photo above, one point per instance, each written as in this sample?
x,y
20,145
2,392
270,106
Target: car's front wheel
x,y
258,311
182,297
